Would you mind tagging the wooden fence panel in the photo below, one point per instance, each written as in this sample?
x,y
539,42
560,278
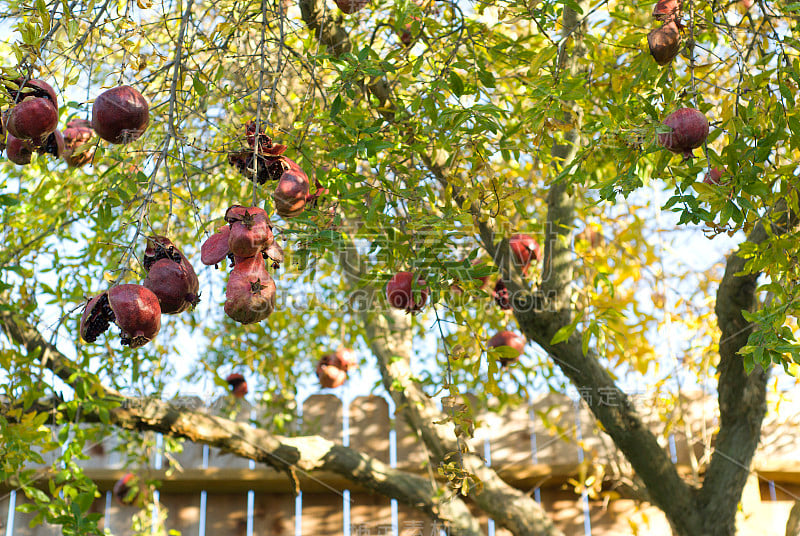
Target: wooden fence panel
x,y
238,410
273,514
183,512
555,427
322,513
369,432
226,513
118,519
191,457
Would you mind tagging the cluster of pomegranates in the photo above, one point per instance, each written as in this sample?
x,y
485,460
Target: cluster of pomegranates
x,y
665,41
171,287
247,240
119,115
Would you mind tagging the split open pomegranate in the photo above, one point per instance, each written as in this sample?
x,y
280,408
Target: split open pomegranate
x,y
170,276
134,308
77,136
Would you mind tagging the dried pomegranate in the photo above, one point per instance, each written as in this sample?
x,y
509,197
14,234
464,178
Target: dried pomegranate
x,y
170,276
510,339
237,384
689,131
250,294
32,119
329,373
215,248
120,114
291,193
265,145
250,232
351,6
664,42
133,308
77,135
401,295
19,151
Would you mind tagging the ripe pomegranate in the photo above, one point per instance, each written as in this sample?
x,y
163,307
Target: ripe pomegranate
x,y
666,10
237,384
120,114
510,339
343,358
170,276
291,193
19,151
133,308
215,248
250,294
401,295
351,6
714,176
126,490
689,131
501,295
32,119
250,232
665,42
78,134
330,373
525,250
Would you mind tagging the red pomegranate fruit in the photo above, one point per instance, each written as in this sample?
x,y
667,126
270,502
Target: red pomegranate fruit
x,y
511,340
714,176
329,373
526,249
237,384
133,308
291,193
501,295
250,232
402,294
666,9
19,151
32,119
250,294
120,115
215,248
126,490
689,131
77,136
343,358
351,6
170,276
664,42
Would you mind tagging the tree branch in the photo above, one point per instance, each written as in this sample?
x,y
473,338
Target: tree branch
x,y
742,396
309,453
